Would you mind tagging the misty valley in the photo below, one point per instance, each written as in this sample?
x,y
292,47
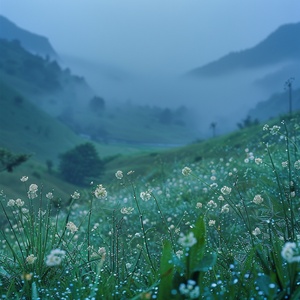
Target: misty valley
x,y
123,184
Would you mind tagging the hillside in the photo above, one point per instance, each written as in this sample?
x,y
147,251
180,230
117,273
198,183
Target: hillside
x,y
34,43
281,46
277,104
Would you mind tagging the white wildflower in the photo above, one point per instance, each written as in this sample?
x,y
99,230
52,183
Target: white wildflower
x,y
11,202
100,192
187,240
49,195
256,231
24,178
186,171
127,210
145,196
297,164
72,227
211,222
225,190
55,257
258,199
119,174
31,259
75,195
290,252
19,202
258,161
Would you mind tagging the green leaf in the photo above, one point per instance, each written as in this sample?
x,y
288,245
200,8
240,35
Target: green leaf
x,y
196,252
166,272
206,263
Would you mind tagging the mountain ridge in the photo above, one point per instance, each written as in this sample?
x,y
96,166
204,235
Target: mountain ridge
x,y
268,52
32,42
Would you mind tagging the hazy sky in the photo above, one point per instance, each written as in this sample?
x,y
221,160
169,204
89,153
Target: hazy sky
x,y
164,35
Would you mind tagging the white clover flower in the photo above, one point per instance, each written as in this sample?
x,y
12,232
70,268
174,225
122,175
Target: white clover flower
x,y
75,195
127,210
212,204
25,210
100,192
186,171
258,199
290,252
55,257
31,259
179,253
145,196
297,164
187,240
11,202
198,205
24,178
225,208
49,195
19,202
119,174
274,130
256,231
33,188
225,190
258,161
266,127
128,265
211,222
72,227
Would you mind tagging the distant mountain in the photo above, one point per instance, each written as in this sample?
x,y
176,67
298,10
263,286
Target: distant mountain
x,y
32,42
281,46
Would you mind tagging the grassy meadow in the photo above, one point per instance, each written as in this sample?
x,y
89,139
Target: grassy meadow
x,y
217,219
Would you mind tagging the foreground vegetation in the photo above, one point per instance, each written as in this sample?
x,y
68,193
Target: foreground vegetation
x,y
222,227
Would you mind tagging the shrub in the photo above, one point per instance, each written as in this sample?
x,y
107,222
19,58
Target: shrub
x,y
81,164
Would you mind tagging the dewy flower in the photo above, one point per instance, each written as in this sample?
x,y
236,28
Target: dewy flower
x,y
199,205
145,196
32,191
256,231
72,227
100,192
211,222
225,190
258,199
55,257
258,161
212,204
127,210
19,202
49,195
186,171
190,290
274,130
119,174
187,240
290,252
75,195
266,127
225,208
284,164
24,178
31,259
33,188
11,202
297,164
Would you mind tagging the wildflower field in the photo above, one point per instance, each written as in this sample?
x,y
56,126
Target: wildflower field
x,y
222,228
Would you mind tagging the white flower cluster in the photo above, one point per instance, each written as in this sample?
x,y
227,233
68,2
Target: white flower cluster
x,y
186,171
190,290
145,196
100,192
119,175
291,252
258,199
127,210
225,190
187,240
55,257
32,191
72,227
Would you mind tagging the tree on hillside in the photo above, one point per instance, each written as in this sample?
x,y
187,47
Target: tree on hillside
x,y
8,160
81,164
97,104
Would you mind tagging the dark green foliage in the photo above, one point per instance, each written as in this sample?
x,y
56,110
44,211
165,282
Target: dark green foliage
x,y
8,160
97,104
81,164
